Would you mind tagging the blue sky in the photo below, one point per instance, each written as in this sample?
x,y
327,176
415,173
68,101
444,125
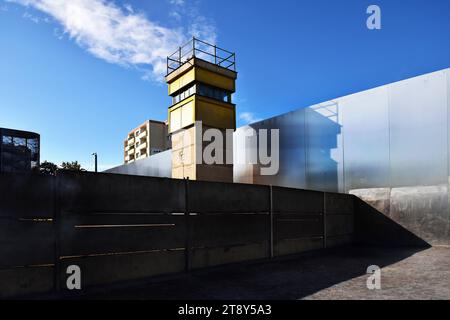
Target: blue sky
x,y
82,73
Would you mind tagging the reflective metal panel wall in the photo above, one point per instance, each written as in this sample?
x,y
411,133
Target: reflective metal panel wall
x,y
366,139
418,131
292,158
391,142
395,135
324,165
158,165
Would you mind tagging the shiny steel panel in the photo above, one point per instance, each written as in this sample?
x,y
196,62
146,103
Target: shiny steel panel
x,y
418,131
366,139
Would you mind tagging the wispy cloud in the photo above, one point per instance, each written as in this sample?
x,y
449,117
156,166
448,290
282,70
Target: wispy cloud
x,y
120,34
36,19
177,2
199,25
249,117
203,28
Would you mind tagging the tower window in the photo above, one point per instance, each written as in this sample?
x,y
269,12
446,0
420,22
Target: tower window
x,y
213,93
184,94
203,90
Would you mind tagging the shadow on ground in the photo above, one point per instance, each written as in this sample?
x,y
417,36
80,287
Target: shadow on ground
x,y
284,279
374,228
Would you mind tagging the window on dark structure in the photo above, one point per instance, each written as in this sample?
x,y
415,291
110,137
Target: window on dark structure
x,y
33,146
7,140
20,142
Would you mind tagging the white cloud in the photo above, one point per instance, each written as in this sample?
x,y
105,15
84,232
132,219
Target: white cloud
x,y
119,35
199,25
175,14
203,28
177,2
249,117
176,9
58,33
128,7
35,18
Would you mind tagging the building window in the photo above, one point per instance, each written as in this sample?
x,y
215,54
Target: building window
x,y
20,142
7,140
184,94
33,146
203,90
213,93
19,154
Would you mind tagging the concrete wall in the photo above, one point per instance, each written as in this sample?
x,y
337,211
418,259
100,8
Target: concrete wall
x,y
121,227
421,210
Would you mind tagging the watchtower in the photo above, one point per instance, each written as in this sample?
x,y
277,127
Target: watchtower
x,y
201,79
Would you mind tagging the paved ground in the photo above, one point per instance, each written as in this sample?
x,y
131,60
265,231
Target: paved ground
x,y
339,274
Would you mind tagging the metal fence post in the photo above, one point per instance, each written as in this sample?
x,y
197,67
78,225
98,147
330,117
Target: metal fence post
x,y
215,54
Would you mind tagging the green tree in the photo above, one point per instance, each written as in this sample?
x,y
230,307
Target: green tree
x,y
48,168
72,166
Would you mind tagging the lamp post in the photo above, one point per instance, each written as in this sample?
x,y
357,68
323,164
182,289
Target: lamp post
x,y
95,161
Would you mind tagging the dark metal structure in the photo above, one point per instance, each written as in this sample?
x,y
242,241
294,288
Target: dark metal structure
x,y
196,48
19,150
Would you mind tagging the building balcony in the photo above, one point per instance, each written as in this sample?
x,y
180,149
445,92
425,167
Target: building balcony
x,y
142,156
128,148
143,134
130,141
131,151
142,146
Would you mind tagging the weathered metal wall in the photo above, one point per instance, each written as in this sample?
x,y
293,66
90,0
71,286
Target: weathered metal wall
x,y
395,137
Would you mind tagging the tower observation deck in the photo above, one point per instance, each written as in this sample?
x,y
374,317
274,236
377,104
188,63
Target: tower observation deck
x,y
196,48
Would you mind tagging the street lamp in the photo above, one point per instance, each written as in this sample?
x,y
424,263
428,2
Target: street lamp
x,y
95,160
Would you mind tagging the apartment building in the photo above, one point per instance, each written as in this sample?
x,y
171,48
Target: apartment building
x,y
149,138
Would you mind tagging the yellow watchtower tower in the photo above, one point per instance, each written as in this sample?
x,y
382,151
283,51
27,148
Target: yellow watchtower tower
x,y
201,79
